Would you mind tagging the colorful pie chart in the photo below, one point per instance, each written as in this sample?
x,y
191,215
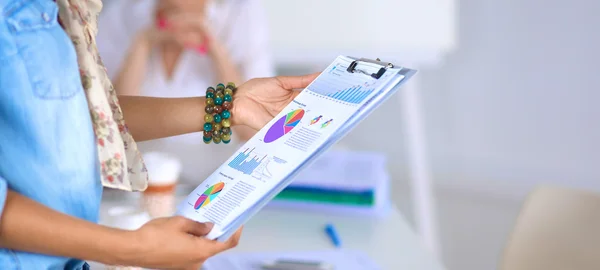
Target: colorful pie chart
x,y
209,195
284,125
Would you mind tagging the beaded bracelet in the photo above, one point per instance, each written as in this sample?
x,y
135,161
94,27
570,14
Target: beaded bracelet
x,y
217,126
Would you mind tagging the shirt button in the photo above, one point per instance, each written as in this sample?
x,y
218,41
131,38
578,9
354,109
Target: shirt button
x,y
46,17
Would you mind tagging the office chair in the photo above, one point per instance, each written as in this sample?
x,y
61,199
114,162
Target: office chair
x,y
557,229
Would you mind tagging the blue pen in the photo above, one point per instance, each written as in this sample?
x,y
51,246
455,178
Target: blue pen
x,y
333,235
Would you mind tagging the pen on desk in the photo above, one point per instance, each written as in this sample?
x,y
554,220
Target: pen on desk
x,y
333,235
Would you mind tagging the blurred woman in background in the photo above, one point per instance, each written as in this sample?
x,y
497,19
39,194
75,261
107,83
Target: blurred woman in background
x,y
175,48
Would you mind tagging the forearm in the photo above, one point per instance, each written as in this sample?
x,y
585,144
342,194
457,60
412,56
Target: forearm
x,y
226,69
133,70
152,118
60,235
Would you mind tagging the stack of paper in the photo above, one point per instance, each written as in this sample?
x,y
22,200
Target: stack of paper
x,y
340,180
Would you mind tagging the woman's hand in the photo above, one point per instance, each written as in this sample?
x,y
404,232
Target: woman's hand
x,y
175,243
257,101
186,29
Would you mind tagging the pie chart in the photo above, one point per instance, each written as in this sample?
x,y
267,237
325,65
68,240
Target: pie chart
x,y
284,125
209,195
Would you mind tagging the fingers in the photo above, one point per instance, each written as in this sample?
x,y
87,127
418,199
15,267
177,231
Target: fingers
x,y
295,82
158,34
183,20
234,240
212,247
193,227
186,28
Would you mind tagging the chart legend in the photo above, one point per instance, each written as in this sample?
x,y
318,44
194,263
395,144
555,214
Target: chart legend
x,y
324,125
247,161
316,120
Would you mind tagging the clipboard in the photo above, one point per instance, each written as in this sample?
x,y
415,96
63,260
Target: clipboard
x,y
375,69
352,68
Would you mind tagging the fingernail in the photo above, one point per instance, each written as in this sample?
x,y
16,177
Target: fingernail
x,y
162,23
201,49
209,225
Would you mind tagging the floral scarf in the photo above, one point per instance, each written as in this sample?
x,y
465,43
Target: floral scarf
x,y
121,163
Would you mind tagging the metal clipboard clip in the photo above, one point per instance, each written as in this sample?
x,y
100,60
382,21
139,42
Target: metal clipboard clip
x,y
385,65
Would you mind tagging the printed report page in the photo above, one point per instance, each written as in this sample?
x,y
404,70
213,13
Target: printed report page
x,y
283,144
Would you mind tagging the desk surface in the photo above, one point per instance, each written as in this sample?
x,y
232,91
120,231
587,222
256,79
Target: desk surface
x,y
390,241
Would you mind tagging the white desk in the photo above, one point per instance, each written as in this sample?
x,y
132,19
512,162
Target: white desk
x,y
391,242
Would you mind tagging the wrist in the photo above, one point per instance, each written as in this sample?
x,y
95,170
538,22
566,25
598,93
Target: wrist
x,y
129,249
111,246
218,120
213,47
144,39
235,115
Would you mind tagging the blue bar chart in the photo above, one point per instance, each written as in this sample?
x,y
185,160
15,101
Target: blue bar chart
x,y
245,165
352,89
354,94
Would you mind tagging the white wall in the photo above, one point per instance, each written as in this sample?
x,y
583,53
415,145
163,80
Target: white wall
x,y
517,104
514,106
306,32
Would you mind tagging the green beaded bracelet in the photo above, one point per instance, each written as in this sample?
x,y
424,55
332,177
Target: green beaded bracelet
x,y
217,121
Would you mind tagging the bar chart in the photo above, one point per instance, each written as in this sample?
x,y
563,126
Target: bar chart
x,y
247,161
354,94
352,89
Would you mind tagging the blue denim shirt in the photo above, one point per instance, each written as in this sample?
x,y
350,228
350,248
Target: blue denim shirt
x,y
47,145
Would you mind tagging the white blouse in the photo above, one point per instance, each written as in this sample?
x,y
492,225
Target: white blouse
x,y
239,25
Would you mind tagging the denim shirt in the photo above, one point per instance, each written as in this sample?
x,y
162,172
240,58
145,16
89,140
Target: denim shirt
x,y
47,145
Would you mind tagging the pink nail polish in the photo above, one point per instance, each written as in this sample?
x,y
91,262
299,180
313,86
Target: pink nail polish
x,y
202,49
162,23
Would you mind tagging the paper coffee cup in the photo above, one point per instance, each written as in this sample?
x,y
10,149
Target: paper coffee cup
x,y
163,175
163,169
